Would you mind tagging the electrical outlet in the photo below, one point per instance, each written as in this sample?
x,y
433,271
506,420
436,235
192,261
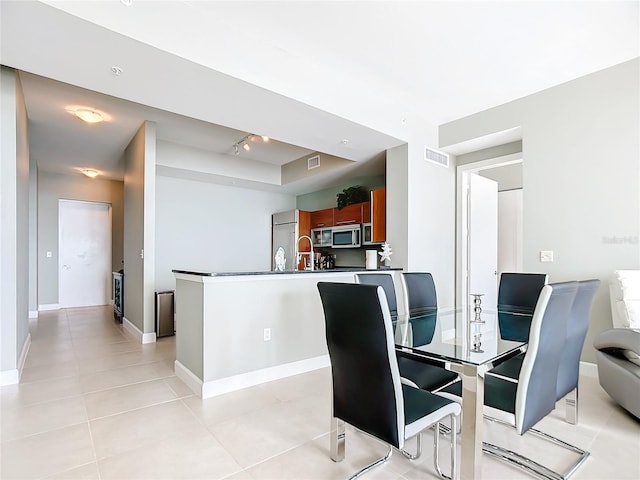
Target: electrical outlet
x,y
267,334
546,256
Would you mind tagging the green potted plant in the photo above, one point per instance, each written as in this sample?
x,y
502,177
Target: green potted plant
x,y
351,195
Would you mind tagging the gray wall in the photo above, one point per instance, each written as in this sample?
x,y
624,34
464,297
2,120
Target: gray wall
x,y
509,177
581,176
139,228
327,198
208,227
14,225
53,187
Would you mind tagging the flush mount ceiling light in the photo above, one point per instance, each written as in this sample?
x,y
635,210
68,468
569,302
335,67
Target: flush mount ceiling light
x,y
244,142
90,172
88,115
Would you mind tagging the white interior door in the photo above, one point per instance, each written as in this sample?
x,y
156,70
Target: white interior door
x,y
84,253
510,231
483,239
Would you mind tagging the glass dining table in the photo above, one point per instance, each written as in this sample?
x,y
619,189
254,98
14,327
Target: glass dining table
x,y
469,343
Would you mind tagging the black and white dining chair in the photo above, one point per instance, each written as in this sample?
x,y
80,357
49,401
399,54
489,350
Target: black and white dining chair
x,y
524,402
518,293
569,366
421,302
419,292
418,374
577,326
368,393
385,280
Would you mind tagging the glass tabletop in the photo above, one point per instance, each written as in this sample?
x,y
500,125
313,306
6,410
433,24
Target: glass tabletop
x,y
459,335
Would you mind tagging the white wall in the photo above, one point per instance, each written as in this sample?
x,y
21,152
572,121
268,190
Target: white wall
x,y
14,227
581,176
209,227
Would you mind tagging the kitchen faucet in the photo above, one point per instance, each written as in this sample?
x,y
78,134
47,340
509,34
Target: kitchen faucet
x,y
299,254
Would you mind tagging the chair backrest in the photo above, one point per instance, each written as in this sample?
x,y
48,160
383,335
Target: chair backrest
x,y
518,292
385,280
536,391
419,292
577,326
367,391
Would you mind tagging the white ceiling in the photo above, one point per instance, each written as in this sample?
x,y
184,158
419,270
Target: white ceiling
x,y
293,70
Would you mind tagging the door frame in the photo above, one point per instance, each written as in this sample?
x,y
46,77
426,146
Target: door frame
x,y
109,253
462,216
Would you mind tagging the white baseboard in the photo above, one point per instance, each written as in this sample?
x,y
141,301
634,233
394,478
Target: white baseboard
x,y
249,379
33,313
49,306
189,379
589,369
23,355
9,377
12,377
135,331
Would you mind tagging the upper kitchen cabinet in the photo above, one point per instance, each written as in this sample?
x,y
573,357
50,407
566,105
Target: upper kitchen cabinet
x,y
322,218
347,215
366,212
379,215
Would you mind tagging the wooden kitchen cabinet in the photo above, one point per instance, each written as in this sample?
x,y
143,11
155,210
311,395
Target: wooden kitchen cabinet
x,y
379,215
348,215
322,218
366,212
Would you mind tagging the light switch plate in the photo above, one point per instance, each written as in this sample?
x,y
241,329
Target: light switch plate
x,y
546,256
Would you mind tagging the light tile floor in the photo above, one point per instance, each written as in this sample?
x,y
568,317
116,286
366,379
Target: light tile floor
x,y
93,403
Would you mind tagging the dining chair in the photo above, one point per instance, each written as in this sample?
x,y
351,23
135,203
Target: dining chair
x,y
420,374
577,326
421,302
419,292
385,280
524,402
368,393
569,366
518,293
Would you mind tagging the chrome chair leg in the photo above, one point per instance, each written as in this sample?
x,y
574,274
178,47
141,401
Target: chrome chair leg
x,y
337,439
571,404
380,461
453,441
532,466
415,456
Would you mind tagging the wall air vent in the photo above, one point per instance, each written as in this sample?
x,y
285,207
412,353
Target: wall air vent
x,y
435,156
313,162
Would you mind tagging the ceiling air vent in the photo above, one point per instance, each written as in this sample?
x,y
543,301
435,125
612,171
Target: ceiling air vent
x,y
435,156
313,162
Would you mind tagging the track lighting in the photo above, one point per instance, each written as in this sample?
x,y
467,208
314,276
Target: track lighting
x,y
244,142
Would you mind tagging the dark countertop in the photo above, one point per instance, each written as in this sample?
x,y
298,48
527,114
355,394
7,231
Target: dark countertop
x,y
236,274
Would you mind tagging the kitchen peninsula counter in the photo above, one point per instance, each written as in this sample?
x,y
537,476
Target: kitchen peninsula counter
x,y
239,329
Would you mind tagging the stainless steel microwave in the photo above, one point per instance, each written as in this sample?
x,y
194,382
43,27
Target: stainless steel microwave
x,y
347,236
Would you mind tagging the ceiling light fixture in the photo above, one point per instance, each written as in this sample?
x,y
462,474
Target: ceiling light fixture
x,y
90,172
87,114
244,142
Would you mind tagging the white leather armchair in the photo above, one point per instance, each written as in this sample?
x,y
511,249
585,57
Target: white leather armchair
x,y
618,349
625,299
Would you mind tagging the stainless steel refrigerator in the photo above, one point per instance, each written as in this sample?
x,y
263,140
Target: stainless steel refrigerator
x,y
285,234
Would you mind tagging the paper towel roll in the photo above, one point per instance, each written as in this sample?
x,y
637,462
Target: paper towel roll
x,y
372,260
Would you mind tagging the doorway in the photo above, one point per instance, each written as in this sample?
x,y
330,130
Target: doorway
x,y
477,230
84,242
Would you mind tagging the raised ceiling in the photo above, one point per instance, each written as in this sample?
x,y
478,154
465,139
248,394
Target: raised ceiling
x,y
295,71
